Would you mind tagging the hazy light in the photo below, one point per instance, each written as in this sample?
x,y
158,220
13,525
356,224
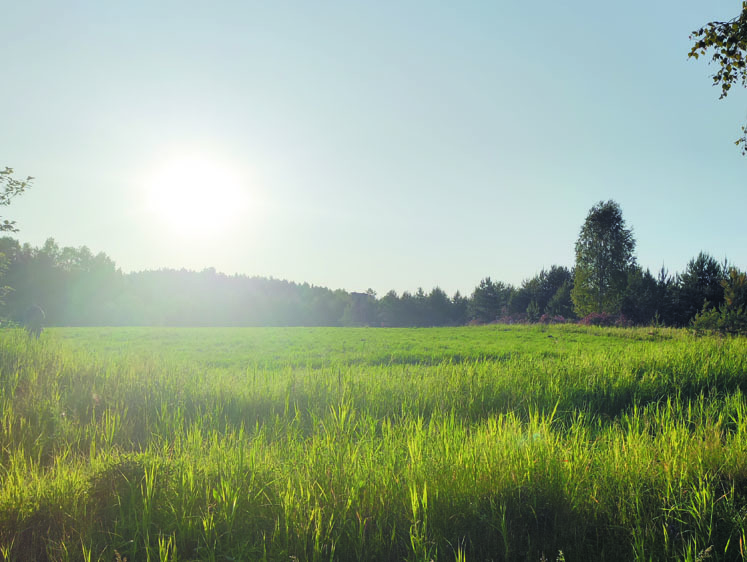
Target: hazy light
x,y
195,196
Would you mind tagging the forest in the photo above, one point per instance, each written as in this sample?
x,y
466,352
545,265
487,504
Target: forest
x,y
76,287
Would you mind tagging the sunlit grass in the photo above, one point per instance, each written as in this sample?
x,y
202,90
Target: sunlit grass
x,y
361,444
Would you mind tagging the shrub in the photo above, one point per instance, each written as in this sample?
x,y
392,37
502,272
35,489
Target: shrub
x,y
533,312
518,318
623,321
598,319
724,320
730,317
552,319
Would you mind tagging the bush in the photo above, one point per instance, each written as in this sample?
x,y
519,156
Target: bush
x,y
533,312
518,318
723,321
623,321
606,320
598,319
730,317
552,319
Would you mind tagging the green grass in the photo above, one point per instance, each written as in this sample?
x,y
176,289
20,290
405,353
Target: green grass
x,y
481,443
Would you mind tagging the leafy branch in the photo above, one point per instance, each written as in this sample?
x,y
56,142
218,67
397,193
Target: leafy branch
x,y
9,188
728,39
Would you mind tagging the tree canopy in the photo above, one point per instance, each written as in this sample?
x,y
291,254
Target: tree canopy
x,y
489,299
728,39
700,285
604,256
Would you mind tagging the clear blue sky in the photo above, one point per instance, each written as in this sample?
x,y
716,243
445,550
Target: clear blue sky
x,y
384,144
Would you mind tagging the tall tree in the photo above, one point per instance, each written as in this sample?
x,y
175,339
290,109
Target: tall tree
x,y
700,285
604,255
489,299
561,303
460,309
731,316
439,308
735,290
540,289
640,303
728,39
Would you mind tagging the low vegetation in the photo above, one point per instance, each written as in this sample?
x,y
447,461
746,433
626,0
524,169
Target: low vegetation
x,y
483,443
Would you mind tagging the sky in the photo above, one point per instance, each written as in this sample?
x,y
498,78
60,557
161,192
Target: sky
x,y
385,145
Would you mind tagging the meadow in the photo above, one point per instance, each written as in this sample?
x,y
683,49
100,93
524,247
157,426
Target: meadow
x,y
475,443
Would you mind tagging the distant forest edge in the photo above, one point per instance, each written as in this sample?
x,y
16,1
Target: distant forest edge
x,y
77,288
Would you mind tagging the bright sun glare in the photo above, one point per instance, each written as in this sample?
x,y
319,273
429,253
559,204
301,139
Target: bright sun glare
x,y
195,196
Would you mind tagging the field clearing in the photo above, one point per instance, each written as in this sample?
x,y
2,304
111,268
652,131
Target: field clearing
x,y
474,443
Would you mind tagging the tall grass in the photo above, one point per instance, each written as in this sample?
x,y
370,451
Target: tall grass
x,y
353,444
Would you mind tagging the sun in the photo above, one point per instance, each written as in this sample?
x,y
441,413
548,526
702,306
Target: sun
x,y
195,196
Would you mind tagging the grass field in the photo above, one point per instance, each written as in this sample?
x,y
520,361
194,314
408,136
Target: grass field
x,y
478,443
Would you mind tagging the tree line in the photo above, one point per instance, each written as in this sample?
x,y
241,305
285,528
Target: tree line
x,y
76,287
605,286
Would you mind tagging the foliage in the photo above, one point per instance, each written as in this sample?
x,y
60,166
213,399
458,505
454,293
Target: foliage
x,y
731,316
604,256
4,289
666,297
606,320
700,285
533,312
360,310
548,285
421,309
724,321
439,307
460,309
728,39
77,287
482,443
488,300
735,289
561,303
552,319
640,301
598,319
10,187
